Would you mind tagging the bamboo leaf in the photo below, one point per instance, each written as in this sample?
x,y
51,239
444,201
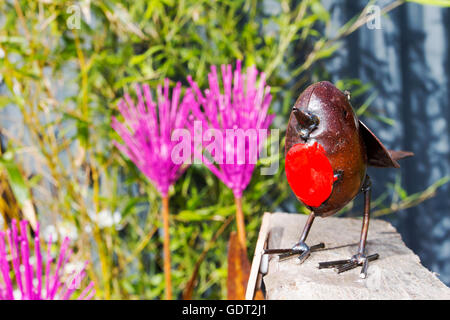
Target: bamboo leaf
x,y
20,188
441,3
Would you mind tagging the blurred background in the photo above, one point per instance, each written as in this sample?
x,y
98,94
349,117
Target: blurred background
x,y
64,65
407,61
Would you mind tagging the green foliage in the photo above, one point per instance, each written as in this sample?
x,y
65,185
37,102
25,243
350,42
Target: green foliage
x,y
442,3
18,184
64,84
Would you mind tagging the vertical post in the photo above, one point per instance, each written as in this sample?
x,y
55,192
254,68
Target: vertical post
x,y
167,276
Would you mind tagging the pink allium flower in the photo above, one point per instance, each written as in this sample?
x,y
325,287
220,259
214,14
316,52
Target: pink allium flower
x,y
147,132
242,104
30,281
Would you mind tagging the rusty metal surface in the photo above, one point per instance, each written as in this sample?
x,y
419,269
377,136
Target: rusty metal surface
x,y
377,154
338,132
323,114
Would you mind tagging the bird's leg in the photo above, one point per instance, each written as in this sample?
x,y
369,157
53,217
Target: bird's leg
x,y
359,259
300,248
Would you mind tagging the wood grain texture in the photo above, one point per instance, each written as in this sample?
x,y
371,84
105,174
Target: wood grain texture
x,y
256,262
397,274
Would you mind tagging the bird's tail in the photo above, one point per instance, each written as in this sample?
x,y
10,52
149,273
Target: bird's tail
x,y
400,154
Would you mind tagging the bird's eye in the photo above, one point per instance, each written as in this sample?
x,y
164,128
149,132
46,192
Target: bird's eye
x,y
345,113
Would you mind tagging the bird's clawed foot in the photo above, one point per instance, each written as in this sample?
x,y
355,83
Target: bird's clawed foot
x,y
301,249
355,261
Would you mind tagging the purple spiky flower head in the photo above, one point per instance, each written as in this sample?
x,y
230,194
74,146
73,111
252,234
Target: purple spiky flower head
x,y
240,108
22,279
147,131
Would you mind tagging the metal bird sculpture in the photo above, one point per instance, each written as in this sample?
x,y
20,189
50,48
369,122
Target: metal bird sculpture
x,y
327,152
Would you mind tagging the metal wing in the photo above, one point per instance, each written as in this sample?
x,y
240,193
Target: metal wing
x,y
377,154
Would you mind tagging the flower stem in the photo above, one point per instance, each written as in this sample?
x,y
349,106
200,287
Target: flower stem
x,y
240,223
167,276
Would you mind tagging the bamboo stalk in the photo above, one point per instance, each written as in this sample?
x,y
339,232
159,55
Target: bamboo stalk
x,y
103,255
167,276
240,221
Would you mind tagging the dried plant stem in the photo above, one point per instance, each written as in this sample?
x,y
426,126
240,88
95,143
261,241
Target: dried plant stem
x,y
412,199
167,276
364,17
188,291
103,262
144,242
240,221
103,248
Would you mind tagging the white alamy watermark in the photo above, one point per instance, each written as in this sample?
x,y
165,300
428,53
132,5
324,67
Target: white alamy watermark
x,y
376,279
73,275
74,19
76,11
230,146
373,15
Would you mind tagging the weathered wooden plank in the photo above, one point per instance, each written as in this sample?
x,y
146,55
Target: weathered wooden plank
x,y
256,262
397,274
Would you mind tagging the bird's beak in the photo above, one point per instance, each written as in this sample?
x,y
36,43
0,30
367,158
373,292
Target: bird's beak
x,y
307,122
